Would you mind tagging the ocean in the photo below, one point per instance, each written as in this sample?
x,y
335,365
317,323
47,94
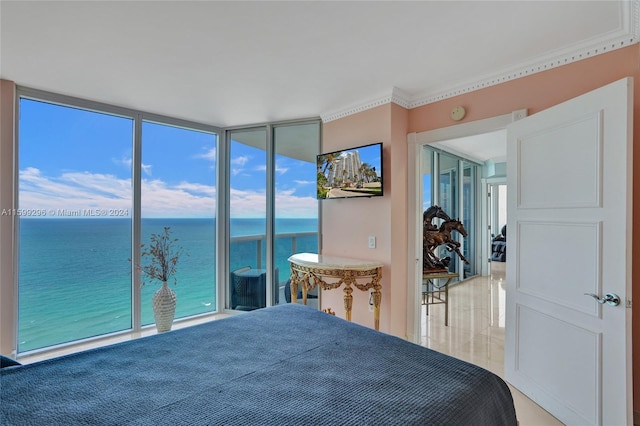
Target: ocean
x,y
75,273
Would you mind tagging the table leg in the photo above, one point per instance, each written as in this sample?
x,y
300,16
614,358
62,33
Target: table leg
x,y
446,303
377,297
348,301
429,286
293,286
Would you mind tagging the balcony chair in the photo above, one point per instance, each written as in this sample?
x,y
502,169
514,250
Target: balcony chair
x,y
248,288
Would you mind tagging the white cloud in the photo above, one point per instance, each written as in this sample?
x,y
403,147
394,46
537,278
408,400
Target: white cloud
x,y
305,182
84,190
252,204
280,170
209,190
247,203
126,161
183,200
240,161
210,155
289,205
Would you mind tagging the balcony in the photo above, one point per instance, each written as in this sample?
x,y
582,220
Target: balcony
x,y
250,251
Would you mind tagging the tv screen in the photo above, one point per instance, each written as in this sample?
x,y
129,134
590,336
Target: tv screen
x,y
354,172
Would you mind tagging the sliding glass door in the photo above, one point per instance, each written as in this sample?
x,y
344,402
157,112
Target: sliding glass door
x,y
247,219
273,211
448,184
469,217
295,205
451,183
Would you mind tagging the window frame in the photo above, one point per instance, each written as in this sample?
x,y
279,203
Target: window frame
x,y
434,156
9,287
270,129
137,117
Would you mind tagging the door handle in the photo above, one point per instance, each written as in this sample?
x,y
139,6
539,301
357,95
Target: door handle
x,y
610,298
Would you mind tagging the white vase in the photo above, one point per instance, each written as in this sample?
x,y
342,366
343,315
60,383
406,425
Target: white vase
x,y
164,307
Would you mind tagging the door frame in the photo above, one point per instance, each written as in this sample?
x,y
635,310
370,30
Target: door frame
x,y
486,207
415,142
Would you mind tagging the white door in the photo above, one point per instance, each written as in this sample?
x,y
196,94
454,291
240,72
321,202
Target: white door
x,y
569,233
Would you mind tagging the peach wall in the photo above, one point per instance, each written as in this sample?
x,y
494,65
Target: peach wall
x,y
347,223
7,289
399,221
543,90
535,92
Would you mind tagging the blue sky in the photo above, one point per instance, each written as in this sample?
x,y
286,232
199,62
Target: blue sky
x,y
74,159
369,155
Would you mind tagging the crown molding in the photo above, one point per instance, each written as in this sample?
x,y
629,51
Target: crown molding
x,y
396,96
401,98
626,35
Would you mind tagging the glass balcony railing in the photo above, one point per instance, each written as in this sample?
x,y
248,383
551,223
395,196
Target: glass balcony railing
x,y
250,250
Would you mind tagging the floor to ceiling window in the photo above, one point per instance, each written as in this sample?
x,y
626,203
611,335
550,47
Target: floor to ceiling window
x,y
295,205
74,200
448,184
451,183
247,218
95,181
273,211
92,180
469,217
178,191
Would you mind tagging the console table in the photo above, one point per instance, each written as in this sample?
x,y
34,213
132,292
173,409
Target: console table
x,y
310,270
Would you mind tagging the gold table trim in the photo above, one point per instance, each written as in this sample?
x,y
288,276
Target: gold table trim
x,y
310,277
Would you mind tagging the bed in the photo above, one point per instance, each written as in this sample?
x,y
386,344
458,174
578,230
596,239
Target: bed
x,y
284,365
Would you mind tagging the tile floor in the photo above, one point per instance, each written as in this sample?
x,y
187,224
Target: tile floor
x,y
476,334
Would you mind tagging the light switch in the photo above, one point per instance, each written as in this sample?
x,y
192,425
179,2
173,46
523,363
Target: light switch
x,y
372,241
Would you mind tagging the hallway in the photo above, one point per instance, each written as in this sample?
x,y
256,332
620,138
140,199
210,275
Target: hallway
x,y
476,334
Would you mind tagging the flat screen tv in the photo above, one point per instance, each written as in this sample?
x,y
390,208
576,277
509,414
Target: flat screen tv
x,y
353,172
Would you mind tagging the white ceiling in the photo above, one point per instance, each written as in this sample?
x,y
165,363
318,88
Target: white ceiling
x,y
236,63
480,148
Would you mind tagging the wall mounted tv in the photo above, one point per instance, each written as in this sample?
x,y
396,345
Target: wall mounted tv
x,y
353,172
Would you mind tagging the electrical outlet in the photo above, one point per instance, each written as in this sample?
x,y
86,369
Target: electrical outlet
x,y
372,241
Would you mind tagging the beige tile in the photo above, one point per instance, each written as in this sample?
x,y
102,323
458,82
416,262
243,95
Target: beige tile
x,y
476,334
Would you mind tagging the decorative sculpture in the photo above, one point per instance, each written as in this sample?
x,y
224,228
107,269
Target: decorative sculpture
x,y
434,237
430,214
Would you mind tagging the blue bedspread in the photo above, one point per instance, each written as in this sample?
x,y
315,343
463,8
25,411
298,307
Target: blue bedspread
x,y
285,365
